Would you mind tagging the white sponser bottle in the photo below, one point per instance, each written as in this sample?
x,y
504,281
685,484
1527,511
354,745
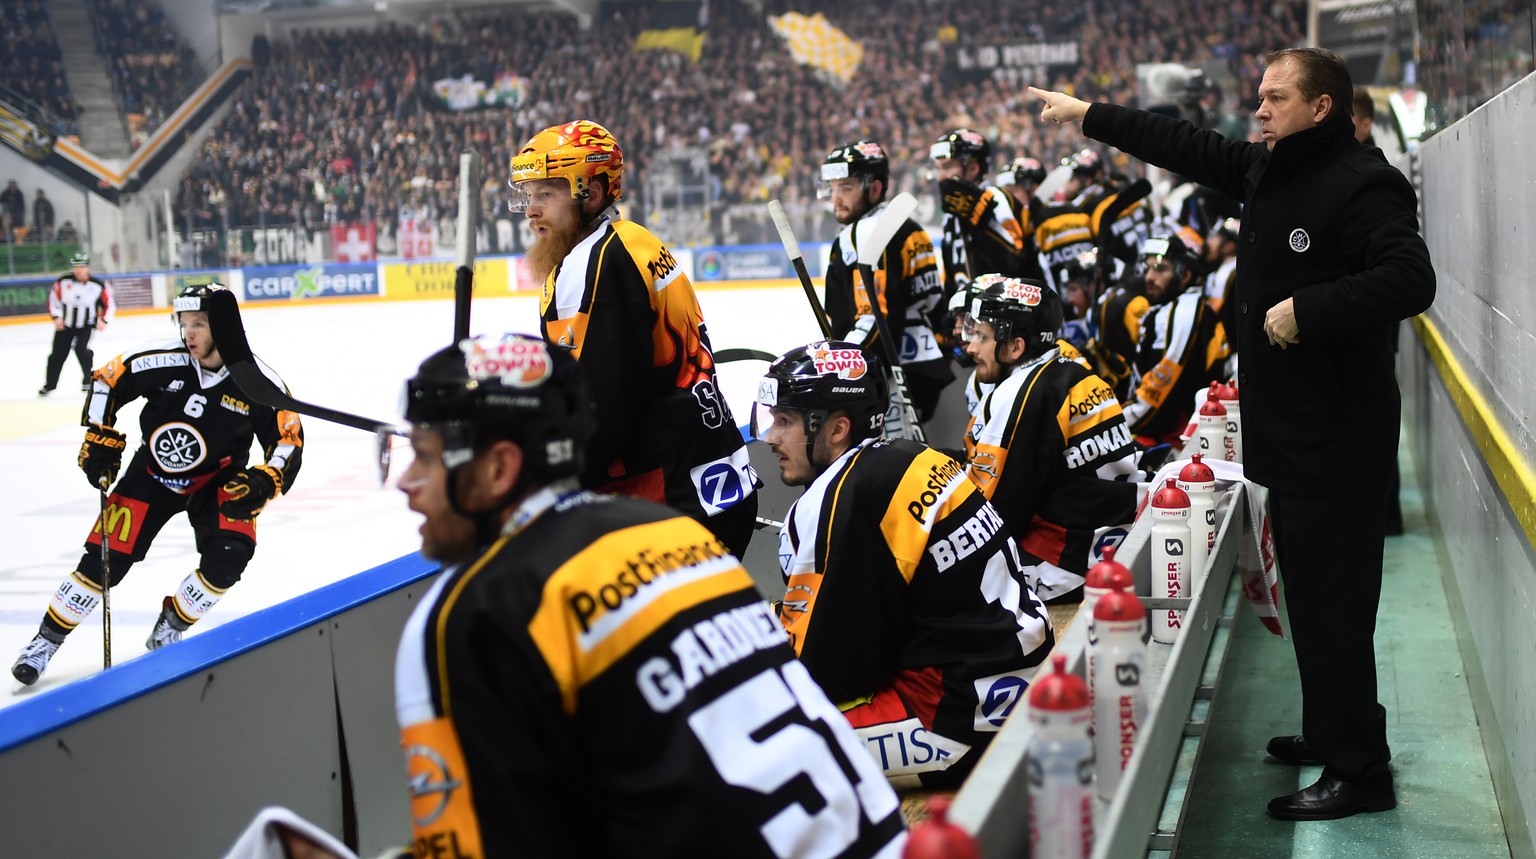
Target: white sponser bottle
x,y
1229,400
1118,654
1170,557
1060,766
1210,438
1199,482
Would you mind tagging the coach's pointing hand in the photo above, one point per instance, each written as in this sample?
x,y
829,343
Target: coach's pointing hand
x,y
1060,107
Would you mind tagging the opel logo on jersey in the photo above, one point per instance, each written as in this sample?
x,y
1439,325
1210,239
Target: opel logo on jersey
x,y
432,785
1300,241
177,447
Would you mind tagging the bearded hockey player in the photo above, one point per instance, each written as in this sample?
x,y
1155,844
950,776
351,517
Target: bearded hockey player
x,y
616,299
596,675
904,595
982,234
855,178
1048,445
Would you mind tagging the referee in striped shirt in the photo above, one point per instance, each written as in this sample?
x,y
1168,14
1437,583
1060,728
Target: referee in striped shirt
x,y
79,304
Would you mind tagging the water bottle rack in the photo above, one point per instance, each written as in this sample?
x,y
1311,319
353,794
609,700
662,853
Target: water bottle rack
x,y
993,803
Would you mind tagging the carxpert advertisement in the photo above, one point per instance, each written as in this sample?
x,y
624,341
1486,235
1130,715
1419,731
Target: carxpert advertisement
x,y
305,282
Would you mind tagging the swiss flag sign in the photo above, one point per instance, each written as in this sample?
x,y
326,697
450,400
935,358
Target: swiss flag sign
x,y
353,242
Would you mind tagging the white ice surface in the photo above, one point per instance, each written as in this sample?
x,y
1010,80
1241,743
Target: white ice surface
x,y
334,523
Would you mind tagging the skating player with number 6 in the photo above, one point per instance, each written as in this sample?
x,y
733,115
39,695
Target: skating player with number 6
x,y
198,426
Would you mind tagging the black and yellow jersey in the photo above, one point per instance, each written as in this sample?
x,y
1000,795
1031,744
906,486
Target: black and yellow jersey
x,y
1062,236
900,574
197,424
992,245
605,680
621,304
1183,349
907,291
1121,220
1050,448
1116,324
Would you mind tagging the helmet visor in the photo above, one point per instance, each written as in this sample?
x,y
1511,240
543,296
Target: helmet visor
x,y
538,193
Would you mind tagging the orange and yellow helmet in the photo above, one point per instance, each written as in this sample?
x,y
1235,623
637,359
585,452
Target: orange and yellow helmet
x,y
577,152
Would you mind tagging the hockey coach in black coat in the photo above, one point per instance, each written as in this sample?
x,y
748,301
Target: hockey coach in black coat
x,y
1329,259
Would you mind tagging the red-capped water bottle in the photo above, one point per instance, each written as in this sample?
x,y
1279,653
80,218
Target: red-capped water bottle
x,y
1103,576
1211,437
1117,653
1229,400
1199,483
1170,557
1060,766
937,838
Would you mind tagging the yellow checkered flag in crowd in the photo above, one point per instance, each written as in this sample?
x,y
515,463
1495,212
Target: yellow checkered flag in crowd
x,y
814,42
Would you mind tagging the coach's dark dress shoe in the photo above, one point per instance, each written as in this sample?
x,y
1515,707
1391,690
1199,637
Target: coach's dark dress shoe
x,y
1292,750
1332,798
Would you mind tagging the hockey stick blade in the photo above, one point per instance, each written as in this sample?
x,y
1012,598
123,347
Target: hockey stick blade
x,y
797,260
228,333
896,213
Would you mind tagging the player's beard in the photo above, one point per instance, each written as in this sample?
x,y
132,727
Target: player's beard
x,y
550,249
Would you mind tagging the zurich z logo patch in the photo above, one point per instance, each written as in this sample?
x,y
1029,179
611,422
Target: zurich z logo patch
x,y
1300,241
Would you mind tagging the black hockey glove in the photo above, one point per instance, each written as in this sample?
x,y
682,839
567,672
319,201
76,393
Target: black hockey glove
x,y
965,201
249,491
101,455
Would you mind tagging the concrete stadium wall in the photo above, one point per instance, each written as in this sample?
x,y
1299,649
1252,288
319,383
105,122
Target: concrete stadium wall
x,y
1469,386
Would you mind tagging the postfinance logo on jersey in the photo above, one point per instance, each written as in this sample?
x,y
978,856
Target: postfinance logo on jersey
x,y
611,595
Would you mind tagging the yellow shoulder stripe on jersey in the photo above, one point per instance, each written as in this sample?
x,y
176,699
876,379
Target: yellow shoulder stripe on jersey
x,y
611,596
1218,349
656,264
1090,403
1135,309
932,486
988,460
446,612
917,253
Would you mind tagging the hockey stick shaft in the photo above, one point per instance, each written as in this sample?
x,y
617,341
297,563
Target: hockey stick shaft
x,y
464,275
106,582
797,260
871,248
229,333
914,430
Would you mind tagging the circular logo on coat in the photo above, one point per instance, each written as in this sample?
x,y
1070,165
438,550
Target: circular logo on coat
x,y
177,447
1300,241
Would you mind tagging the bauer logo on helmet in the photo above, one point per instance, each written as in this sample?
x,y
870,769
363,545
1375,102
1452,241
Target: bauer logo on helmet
x,y
519,362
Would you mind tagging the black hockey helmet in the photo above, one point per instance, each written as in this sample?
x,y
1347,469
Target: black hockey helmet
x,y
960,144
193,295
824,377
864,159
1020,307
1224,230
504,387
1171,249
207,295
1023,171
1085,162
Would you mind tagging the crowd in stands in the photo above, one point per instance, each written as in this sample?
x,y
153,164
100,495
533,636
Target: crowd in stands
x,y
154,69
346,125
32,65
